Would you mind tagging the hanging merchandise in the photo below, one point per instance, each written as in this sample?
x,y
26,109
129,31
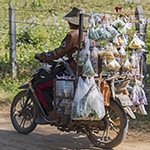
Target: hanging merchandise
x,y
135,63
90,103
113,65
120,41
136,42
127,65
115,41
88,70
84,53
104,62
82,57
93,34
118,24
111,30
138,96
107,54
94,52
122,51
141,110
109,46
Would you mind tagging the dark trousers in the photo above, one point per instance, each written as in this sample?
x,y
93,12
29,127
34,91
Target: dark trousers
x,y
42,88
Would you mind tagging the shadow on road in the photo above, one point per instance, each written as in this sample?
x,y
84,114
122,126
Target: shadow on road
x,y
38,141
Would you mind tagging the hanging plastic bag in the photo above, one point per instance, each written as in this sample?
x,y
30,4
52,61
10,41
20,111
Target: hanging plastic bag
x,y
103,34
138,96
134,60
113,65
104,63
127,65
118,23
82,57
141,110
88,70
119,40
90,106
114,40
93,34
122,51
113,32
107,54
136,42
122,30
94,52
91,21
94,62
96,102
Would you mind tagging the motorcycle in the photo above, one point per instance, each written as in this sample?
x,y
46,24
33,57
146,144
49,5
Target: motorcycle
x,y
26,110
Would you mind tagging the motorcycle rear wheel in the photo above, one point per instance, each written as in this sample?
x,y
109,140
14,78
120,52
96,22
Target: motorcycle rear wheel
x,y
115,130
23,113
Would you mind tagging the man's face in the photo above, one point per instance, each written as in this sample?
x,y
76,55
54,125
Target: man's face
x,y
73,26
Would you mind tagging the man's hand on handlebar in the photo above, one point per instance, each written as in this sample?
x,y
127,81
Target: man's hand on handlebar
x,y
41,56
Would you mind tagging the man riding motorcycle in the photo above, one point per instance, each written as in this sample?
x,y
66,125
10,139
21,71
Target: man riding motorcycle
x,y
68,46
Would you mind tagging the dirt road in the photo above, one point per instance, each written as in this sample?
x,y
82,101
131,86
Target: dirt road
x,y
49,138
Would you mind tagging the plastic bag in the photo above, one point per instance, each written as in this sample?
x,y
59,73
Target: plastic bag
x,y
113,65
88,70
114,40
112,31
106,54
138,96
82,89
127,65
122,51
94,52
103,34
141,110
84,54
93,34
120,41
118,23
94,62
96,102
122,30
136,42
90,106
82,57
112,48
134,60
91,22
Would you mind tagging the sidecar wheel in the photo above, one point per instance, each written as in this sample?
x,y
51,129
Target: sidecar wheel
x,y
23,113
114,130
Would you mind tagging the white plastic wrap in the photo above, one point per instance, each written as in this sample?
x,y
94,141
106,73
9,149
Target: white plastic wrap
x,y
113,65
90,104
136,42
88,70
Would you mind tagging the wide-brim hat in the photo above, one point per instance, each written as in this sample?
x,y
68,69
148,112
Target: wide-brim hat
x,y
73,16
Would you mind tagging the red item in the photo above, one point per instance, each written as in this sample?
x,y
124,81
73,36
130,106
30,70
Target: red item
x,y
118,8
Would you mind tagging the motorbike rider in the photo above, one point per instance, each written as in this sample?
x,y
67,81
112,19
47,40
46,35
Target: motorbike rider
x,y
68,46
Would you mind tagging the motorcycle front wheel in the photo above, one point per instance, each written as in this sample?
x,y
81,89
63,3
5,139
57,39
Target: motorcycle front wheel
x,y
114,129
23,113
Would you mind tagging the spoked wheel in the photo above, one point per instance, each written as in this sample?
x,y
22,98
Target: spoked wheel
x,y
112,130
23,113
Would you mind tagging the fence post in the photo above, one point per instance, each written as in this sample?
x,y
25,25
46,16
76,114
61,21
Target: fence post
x,y
141,28
12,40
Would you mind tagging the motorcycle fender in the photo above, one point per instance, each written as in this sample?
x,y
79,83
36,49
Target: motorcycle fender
x,y
24,86
128,110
